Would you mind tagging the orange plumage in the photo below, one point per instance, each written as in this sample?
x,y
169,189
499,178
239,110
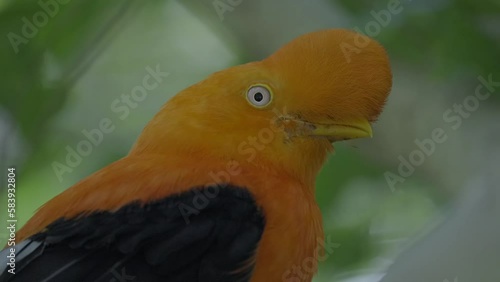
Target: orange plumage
x,y
210,133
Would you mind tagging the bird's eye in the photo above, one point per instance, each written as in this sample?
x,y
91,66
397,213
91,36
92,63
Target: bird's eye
x,y
259,96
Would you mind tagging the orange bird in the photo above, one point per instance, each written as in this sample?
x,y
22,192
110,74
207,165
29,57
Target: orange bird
x,y
220,184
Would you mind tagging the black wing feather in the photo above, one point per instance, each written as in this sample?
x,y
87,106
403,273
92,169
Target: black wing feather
x,y
157,241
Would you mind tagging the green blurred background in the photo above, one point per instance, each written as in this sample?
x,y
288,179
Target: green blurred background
x,y
64,76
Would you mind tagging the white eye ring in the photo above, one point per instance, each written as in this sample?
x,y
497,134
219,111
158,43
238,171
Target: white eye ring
x,y
259,96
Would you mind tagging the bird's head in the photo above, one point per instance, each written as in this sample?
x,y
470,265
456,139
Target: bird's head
x,y
284,111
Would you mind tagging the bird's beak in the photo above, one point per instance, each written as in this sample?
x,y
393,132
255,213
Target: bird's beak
x,y
337,131
343,131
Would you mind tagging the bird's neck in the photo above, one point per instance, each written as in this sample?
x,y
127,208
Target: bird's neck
x,y
232,158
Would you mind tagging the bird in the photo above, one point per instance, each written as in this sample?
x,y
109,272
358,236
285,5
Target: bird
x,y
220,184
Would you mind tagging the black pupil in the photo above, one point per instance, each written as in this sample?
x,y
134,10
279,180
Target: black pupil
x,y
258,97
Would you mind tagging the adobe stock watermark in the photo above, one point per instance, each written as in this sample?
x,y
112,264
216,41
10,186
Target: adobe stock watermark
x,y
380,19
454,117
454,280
223,6
30,26
309,265
248,148
121,107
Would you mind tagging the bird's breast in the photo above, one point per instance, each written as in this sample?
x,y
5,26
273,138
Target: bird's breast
x,y
291,242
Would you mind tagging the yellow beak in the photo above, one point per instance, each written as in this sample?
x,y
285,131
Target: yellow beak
x,y
333,132
342,131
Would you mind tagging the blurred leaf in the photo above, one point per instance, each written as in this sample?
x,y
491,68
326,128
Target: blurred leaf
x,y
27,93
342,166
